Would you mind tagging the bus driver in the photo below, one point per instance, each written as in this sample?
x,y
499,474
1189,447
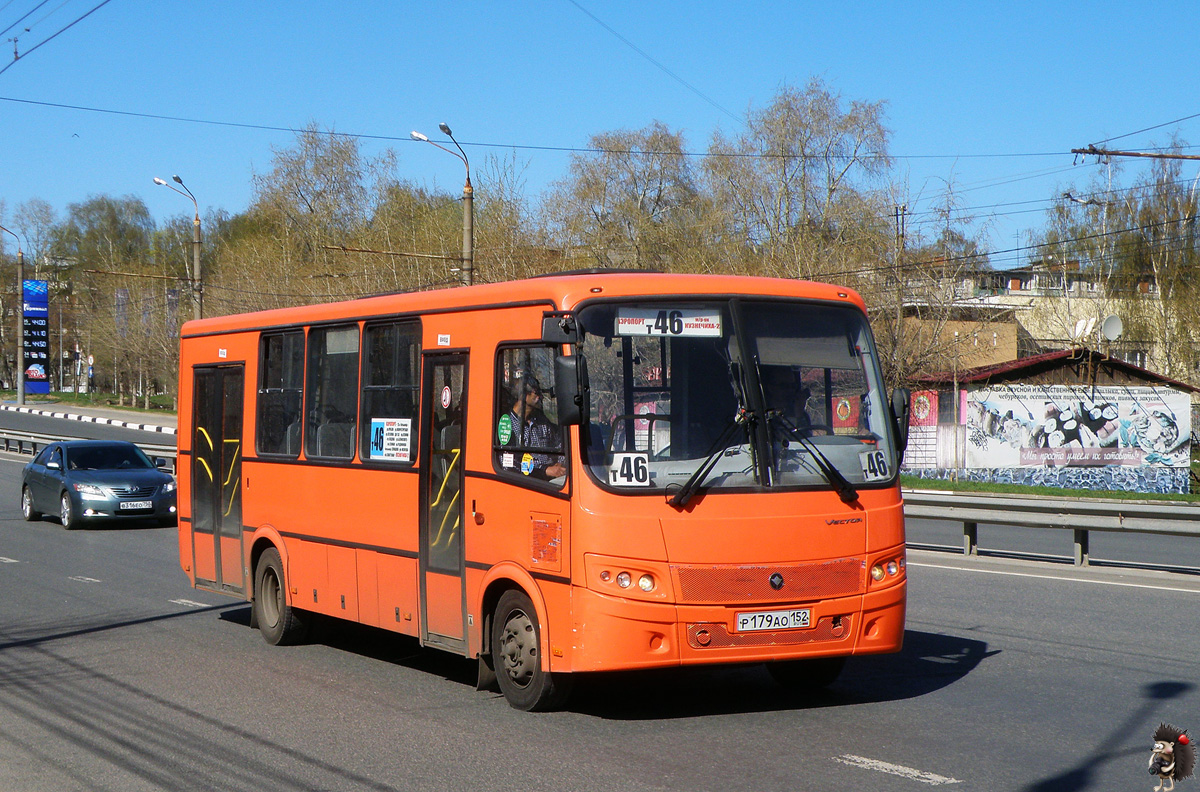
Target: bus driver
x,y
530,429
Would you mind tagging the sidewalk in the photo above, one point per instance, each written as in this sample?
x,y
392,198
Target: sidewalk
x,y
164,423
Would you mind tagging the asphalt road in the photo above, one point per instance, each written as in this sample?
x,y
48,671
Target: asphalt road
x,y
44,424
114,675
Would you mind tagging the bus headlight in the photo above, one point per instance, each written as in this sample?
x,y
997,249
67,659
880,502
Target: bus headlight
x,y
626,577
886,570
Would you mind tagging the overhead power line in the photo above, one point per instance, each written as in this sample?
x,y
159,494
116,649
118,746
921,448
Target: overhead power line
x,y
1147,129
660,66
478,144
23,18
1094,151
61,30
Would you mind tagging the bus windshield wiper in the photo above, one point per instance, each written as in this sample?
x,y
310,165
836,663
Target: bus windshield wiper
x,y
689,487
841,485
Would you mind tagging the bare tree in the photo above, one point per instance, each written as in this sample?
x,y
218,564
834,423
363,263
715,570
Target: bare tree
x,y
803,188
630,202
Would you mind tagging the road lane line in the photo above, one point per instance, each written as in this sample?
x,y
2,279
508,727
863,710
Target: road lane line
x,y
187,603
1052,577
4,560
82,579
895,769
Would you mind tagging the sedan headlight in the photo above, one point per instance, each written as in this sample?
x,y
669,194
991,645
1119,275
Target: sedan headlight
x,y
168,487
91,491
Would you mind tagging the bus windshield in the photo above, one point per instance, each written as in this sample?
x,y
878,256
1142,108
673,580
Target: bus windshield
x,y
734,393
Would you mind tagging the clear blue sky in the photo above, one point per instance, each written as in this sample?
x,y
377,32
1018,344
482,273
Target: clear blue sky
x,y
990,96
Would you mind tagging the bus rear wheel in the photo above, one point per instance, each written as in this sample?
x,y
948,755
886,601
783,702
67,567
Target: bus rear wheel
x,y
279,623
517,657
807,675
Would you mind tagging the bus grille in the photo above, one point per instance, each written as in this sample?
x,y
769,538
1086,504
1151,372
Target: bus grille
x,y
731,585
717,636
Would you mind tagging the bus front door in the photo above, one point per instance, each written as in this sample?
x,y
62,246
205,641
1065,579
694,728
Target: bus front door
x,y
216,477
443,587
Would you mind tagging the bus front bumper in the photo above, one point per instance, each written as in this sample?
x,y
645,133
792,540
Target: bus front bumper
x,y
611,634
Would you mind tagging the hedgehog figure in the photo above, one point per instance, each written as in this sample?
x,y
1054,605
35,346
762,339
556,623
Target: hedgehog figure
x,y
1173,756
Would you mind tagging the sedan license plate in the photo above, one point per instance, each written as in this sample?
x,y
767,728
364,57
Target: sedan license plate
x,y
754,621
137,505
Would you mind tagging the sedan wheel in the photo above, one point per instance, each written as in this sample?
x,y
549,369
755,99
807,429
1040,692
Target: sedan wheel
x,y
27,509
66,514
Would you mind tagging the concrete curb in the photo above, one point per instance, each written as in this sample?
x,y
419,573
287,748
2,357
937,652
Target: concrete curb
x,y
93,419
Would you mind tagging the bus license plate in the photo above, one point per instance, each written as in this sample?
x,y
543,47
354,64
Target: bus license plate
x,y
136,504
774,620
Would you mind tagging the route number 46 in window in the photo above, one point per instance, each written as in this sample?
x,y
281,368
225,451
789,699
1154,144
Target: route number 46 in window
x,y
629,470
874,465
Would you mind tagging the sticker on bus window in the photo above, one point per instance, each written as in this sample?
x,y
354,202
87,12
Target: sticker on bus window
x,y
629,470
391,439
874,465
527,465
504,429
683,322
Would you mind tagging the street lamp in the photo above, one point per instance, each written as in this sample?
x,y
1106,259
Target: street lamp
x,y
197,279
468,256
20,318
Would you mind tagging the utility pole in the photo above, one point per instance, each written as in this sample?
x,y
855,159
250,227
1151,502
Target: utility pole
x,y
467,270
20,367
898,273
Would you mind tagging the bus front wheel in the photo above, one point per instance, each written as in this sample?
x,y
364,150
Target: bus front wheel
x,y
517,657
279,623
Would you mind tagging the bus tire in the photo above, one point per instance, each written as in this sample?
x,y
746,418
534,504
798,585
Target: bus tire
x,y
517,657
808,674
279,623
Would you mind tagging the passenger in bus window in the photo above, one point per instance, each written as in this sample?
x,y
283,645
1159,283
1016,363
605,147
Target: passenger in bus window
x,y
530,429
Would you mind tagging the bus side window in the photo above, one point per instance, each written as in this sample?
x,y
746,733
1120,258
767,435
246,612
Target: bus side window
x,y
527,440
391,382
331,392
280,386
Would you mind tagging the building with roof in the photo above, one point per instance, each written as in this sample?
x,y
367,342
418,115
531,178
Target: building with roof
x,y
1072,418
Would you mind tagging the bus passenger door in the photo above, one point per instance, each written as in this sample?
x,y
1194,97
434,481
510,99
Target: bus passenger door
x,y
443,586
217,551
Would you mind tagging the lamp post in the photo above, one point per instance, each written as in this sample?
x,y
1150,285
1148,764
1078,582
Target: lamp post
x,y
468,256
20,318
197,278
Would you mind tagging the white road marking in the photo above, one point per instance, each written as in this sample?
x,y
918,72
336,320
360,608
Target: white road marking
x,y
1053,577
82,579
4,560
895,769
187,603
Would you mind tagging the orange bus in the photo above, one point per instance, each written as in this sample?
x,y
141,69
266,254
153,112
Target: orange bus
x,y
573,473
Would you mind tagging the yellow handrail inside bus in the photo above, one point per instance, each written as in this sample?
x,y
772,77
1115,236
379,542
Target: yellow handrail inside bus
x,y
453,530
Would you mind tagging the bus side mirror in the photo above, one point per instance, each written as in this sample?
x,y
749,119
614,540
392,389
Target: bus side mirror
x,y
901,398
560,327
571,388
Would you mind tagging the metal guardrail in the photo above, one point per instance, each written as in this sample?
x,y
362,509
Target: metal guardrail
x,y
31,442
1080,516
